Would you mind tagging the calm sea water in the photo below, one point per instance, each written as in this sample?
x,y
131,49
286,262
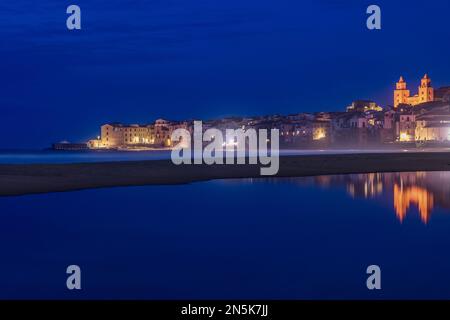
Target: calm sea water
x,y
302,238
50,156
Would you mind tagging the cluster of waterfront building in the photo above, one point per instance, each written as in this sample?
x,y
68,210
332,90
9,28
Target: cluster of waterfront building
x,y
421,118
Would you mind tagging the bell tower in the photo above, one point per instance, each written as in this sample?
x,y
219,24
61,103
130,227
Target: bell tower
x,y
401,93
426,91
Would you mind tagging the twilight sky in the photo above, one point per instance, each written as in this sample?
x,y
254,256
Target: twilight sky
x,y
135,61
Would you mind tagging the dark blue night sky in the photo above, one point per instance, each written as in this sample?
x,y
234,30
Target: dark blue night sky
x,y
134,61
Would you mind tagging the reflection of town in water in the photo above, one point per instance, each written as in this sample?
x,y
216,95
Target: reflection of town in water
x,y
423,190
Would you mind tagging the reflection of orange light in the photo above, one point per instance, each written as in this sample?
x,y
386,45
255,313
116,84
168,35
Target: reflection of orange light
x,y
403,197
371,186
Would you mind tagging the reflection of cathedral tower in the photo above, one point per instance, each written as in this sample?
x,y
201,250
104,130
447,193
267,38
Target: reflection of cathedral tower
x,y
403,96
404,196
423,190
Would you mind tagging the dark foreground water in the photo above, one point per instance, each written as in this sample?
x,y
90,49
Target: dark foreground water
x,y
305,238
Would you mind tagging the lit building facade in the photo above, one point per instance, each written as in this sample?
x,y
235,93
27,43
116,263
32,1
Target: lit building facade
x,y
407,127
402,94
364,106
117,135
434,125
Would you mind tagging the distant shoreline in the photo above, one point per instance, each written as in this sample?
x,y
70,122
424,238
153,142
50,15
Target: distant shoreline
x,y
23,179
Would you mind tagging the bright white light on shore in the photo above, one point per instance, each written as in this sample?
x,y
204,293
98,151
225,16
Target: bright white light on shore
x,y
319,135
230,143
405,137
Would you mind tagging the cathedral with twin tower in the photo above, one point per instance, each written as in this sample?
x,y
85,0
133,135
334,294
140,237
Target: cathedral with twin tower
x,y
403,96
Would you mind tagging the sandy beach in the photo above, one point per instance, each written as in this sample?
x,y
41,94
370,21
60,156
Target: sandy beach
x,y
43,178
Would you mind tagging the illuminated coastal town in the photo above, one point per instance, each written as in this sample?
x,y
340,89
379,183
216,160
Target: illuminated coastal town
x,y
422,119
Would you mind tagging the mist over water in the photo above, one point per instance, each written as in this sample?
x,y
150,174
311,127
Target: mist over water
x,y
50,156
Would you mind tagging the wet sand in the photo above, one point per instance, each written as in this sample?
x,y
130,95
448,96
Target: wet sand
x,y
43,178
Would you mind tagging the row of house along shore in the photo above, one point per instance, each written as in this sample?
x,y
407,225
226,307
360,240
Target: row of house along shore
x,y
412,119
